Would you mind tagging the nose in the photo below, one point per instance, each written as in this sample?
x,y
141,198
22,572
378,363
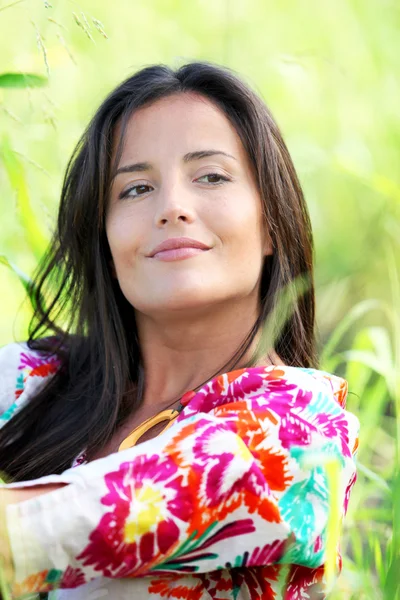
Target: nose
x,y
174,207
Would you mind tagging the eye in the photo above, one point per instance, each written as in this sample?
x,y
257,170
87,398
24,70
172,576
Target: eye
x,y
140,191
214,176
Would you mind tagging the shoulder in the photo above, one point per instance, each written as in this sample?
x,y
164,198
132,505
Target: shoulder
x,y
22,372
310,387
276,386
336,385
303,406
308,377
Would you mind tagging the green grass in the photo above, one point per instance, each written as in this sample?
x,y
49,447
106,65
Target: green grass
x,y
371,541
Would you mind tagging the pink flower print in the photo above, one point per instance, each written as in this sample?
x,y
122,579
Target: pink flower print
x,y
334,426
247,381
147,499
233,386
348,490
39,365
81,459
282,396
214,393
268,554
318,544
294,430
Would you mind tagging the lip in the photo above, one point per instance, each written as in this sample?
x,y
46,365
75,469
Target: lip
x,y
176,244
177,254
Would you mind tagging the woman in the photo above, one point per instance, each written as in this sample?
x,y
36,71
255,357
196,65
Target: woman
x,y
180,225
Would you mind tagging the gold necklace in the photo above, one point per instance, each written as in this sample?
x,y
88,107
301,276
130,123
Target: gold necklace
x,y
166,415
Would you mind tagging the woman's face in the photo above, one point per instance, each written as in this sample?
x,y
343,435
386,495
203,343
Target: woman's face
x,y
184,173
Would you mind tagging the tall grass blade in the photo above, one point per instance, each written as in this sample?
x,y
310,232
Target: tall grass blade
x,y
11,4
282,311
22,80
37,239
392,584
24,279
356,313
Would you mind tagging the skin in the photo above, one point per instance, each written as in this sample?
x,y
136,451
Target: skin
x,y
191,314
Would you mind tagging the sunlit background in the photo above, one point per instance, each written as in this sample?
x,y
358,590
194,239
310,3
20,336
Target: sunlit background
x,y
329,71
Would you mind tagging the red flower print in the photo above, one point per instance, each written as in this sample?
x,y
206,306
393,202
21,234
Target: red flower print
x,y
252,429
148,501
305,584
341,391
72,578
252,583
223,475
348,490
339,387
178,586
41,366
224,584
274,467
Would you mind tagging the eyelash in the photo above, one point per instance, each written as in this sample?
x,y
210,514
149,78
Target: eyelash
x,y
127,192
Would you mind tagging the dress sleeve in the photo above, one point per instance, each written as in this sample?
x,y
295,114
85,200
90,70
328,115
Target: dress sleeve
x,y
22,372
9,380
231,483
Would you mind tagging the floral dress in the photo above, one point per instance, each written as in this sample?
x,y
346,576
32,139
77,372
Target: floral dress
x,y
230,502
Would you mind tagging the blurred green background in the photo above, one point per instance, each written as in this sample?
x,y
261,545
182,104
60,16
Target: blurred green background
x,y
329,71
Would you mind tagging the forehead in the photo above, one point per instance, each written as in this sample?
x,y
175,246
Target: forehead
x,y
187,120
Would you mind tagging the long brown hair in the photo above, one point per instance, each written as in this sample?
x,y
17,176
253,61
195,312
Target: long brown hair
x,y
80,312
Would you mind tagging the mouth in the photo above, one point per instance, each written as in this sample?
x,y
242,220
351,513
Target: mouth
x,y
178,254
178,248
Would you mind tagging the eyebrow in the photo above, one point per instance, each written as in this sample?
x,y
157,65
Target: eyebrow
x,y
190,156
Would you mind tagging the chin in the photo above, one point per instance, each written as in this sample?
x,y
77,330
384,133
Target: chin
x,y
182,301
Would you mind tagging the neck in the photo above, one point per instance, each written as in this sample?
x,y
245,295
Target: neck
x,y
180,353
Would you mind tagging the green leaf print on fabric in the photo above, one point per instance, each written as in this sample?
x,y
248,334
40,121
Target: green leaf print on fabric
x,y
9,412
298,504
298,510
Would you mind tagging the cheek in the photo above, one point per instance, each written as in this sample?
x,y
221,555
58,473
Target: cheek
x,y
123,234
240,225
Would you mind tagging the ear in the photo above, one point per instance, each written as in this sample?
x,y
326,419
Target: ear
x,y
268,249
